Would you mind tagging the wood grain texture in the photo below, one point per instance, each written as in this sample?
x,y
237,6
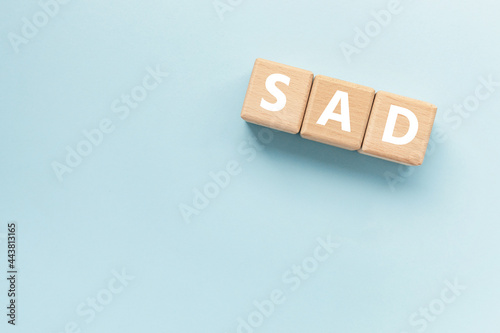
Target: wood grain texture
x,y
289,119
360,99
411,153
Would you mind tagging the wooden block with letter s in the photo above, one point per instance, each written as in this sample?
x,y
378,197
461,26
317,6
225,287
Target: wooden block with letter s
x,y
277,96
399,129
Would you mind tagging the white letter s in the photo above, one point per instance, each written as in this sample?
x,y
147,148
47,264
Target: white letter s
x,y
280,96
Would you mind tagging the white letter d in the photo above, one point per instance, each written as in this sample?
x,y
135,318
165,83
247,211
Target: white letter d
x,y
388,136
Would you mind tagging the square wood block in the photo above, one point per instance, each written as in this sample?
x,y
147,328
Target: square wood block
x,y
398,129
329,99
277,96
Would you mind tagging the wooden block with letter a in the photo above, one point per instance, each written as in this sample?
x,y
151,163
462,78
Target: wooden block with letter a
x,y
337,113
399,129
277,96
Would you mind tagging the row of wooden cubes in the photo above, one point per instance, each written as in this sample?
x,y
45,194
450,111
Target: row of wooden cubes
x,y
338,113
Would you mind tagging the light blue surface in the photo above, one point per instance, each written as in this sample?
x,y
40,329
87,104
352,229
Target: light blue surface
x,y
400,243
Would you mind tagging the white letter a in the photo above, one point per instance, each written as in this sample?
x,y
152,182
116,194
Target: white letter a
x,y
343,116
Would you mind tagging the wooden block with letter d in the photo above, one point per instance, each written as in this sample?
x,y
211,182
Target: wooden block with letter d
x,y
277,96
398,129
337,113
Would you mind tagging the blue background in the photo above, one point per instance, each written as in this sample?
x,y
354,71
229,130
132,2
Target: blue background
x,y
119,210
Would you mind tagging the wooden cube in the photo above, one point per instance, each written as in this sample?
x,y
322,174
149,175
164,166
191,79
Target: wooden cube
x,y
277,96
337,112
398,129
